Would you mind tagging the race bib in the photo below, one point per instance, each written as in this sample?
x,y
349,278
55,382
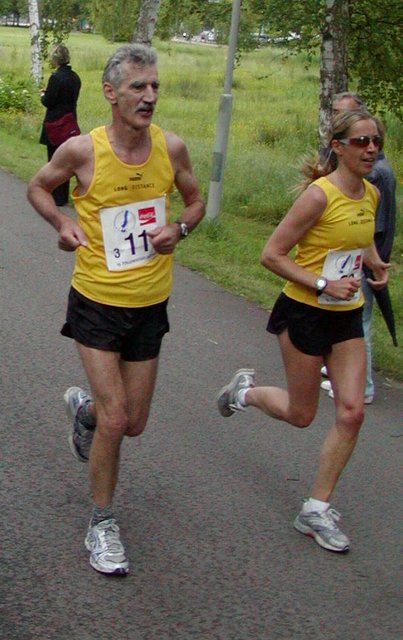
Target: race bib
x,y
124,230
338,265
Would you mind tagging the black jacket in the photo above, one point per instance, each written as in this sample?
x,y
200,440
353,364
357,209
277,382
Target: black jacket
x,y
61,96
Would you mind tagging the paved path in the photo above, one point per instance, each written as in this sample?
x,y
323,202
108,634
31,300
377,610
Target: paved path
x,y
205,504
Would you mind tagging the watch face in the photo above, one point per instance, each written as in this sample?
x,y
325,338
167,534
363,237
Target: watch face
x,y
321,283
184,230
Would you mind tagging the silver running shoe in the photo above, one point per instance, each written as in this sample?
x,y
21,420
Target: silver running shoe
x,y
107,554
323,527
227,398
80,438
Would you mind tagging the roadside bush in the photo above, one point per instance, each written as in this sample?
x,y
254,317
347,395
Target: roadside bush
x,y
15,95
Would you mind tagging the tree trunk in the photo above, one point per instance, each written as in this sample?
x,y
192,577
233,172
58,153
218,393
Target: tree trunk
x,y
36,64
146,21
333,61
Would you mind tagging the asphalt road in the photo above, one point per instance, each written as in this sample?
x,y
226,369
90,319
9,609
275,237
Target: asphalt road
x,y
205,504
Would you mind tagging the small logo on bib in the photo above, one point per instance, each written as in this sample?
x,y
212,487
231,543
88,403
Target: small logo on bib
x,y
348,264
124,221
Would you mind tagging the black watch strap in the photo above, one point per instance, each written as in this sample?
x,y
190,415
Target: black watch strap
x,y
320,284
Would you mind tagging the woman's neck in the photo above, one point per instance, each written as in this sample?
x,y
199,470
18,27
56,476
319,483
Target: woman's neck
x,y
350,184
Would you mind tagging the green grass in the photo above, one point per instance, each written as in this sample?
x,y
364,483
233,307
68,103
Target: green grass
x,y
274,120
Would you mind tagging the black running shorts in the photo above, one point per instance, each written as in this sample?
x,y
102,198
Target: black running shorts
x,y
313,331
135,333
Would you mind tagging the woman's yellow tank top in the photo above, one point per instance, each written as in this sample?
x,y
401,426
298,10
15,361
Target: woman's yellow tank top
x,y
119,208
345,225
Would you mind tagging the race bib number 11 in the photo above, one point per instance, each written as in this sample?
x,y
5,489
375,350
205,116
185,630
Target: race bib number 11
x,y
125,230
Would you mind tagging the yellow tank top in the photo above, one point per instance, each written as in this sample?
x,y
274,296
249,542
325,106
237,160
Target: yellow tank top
x,y
346,226
119,266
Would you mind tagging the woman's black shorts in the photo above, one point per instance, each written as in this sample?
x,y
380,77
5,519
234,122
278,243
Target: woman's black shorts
x,y
313,331
135,333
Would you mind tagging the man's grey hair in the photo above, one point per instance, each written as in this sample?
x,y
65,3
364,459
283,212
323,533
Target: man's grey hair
x,y
135,53
350,94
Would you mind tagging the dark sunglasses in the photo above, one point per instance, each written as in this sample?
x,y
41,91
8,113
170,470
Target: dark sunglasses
x,y
362,141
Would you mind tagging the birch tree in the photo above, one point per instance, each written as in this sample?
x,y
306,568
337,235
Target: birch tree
x,y
36,64
146,21
333,60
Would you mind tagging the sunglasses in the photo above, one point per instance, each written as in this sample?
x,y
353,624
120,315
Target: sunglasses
x,y
362,141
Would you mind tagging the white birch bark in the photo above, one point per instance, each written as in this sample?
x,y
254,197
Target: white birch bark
x,y
36,64
147,19
333,61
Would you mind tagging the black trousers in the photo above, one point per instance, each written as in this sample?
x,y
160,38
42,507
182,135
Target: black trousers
x,y
61,193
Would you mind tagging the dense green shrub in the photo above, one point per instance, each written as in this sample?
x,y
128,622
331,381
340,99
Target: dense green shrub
x,y
15,95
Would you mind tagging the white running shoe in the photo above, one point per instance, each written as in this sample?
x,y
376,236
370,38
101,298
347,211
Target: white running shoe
x,y
324,371
323,528
107,553
227,398
80,437
326,385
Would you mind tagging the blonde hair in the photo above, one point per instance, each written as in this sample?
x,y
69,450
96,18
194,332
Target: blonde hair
x,y
326,162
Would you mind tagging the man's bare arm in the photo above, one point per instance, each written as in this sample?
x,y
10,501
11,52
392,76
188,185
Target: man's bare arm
x,y
186,182
164,239
71,159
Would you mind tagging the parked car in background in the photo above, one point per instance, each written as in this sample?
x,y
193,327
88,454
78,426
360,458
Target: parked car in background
x,y
208,36
282,39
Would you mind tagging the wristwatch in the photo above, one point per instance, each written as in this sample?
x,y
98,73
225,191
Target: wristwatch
x,y
320,284
183,227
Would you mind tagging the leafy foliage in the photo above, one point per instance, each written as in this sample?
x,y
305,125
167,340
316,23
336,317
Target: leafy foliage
x,y
376,52
15,94
374,42
17,8
115,19
57,18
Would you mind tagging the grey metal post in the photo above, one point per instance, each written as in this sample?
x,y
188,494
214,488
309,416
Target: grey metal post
x,y
224,119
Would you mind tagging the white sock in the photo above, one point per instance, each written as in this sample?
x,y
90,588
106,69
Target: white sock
x,y
315,505
241,397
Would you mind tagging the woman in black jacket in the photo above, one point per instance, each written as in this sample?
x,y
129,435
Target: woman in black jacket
x,y
59,97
